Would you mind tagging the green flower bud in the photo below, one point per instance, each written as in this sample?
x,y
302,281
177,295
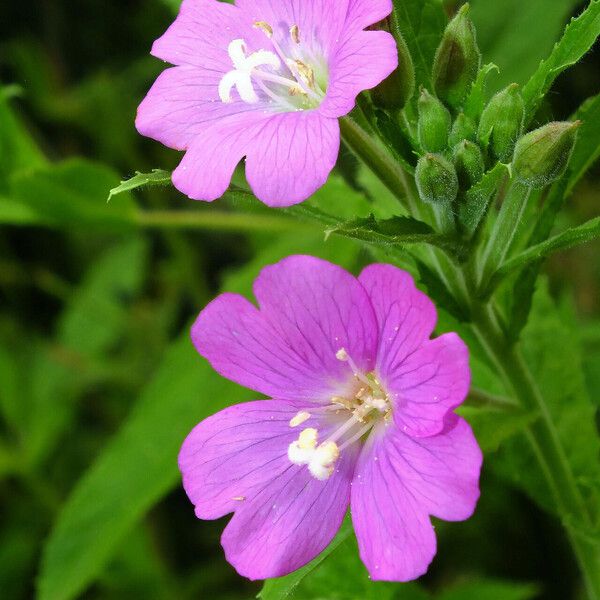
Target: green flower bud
x,y
469,164
434,123
501,123
394,92
542,156
457,60
436,179
463,128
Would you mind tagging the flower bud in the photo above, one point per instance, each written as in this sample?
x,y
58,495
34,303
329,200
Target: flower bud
x,y
436,179
394,92
463,128
434,123
457,60
469,164
501,123
541,156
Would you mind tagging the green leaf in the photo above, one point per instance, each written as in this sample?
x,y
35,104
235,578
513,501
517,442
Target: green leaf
x,y
136,469
478,198
476,100
139,465
568,239
17,149
587,146
395,231
158,177
489,589
492,426
285,587
577,40
422,23
512,34
73,193
90,326
338,574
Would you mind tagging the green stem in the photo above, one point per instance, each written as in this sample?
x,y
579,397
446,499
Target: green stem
x,y
377,159
503,232
216,221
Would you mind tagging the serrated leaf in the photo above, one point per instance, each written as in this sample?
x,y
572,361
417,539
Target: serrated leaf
x,y
577,40
568,239
157,177
395,231
587,146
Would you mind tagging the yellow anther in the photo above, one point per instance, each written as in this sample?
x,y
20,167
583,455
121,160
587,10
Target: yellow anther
x,y
300,418
265,27
295,33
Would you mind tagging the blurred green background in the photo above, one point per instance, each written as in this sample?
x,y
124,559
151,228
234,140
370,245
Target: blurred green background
x,y
98,382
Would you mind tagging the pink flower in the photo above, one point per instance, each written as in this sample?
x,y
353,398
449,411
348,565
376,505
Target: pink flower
x,y
361,415
266,80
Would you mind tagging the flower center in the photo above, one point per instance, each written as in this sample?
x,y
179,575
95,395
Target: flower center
x,y
356,414
289,75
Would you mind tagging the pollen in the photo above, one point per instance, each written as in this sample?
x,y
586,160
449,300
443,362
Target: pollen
x,y
308,439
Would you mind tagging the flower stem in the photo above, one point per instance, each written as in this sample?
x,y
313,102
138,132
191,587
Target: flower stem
x,y
217,221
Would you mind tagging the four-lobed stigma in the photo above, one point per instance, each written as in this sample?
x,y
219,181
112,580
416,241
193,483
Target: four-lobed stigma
x,y
289,76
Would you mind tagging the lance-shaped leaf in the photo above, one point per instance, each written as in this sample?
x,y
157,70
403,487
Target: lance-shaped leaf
x,y
570,238
578,38
385,232
157,177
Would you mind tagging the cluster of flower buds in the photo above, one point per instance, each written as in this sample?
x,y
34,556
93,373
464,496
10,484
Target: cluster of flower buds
x,y
457,143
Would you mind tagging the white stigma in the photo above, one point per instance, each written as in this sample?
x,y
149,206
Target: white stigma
x,y
241,76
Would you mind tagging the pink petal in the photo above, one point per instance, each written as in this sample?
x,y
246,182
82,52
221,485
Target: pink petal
x,y
289,522
431,382
406,316
362,13
291,156
207,167
400,481
309,309
183,103
360,62
235,453
201,33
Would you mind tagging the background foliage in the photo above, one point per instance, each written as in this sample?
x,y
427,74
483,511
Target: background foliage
x,y
99,383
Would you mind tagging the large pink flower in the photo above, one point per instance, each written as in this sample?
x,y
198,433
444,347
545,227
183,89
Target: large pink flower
x,y
266,80
362,415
